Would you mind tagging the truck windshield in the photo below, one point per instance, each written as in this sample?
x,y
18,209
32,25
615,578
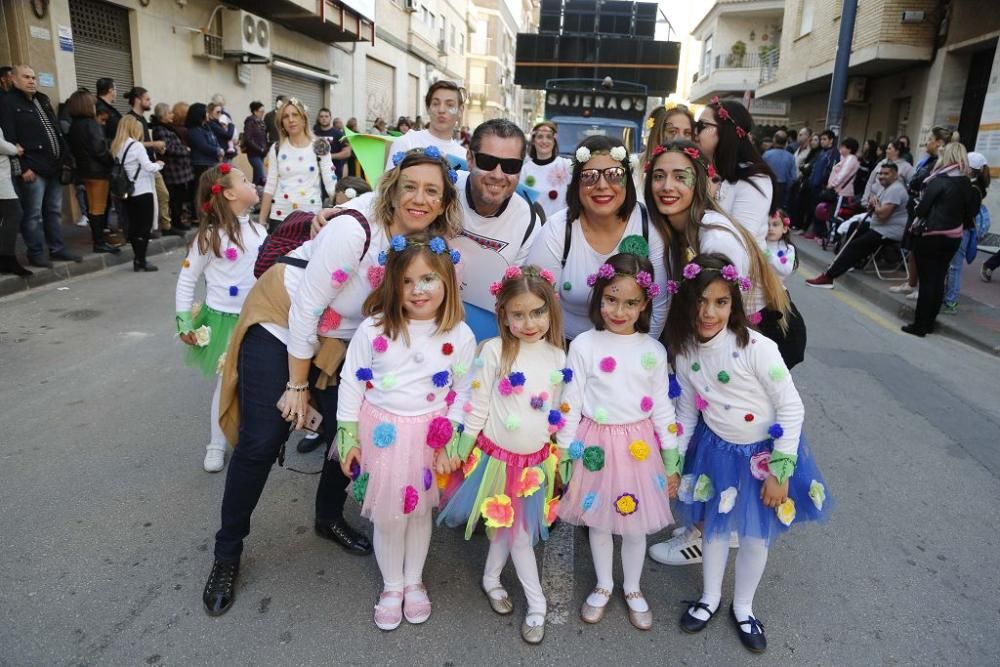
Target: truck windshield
x,y
571,134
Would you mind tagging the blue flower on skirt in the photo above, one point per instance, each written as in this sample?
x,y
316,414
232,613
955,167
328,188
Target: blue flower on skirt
x,y
661,482
575,450
384,435
674,389
440,379
589,500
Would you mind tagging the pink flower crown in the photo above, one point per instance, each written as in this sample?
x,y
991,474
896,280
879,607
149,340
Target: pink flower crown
x,y
516,272
690,151
720,112
643,278
728,272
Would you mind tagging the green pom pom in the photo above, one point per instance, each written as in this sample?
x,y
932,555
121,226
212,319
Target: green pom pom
x,y
360,488
593,458
601,416
530,181
696,367
648,361
777,372
513,423
634,245
723,377
567,286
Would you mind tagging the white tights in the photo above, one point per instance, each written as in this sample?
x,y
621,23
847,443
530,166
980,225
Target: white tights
x,y
750,562
218,437
522,553
633,557
401,551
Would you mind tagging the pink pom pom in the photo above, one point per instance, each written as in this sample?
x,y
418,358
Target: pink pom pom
x,y
329,321
495,287
439,432
680,428
547,276
380,344
375,276
339,277
410,498
450,398
646,404
700,403
608,364
467,407
512,272
231,254
504,387
755,318
519,389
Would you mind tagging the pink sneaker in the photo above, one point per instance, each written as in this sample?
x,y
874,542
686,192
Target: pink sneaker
x,y
388,617
416,604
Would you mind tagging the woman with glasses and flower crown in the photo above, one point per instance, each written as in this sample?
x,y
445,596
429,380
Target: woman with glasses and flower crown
x,y
602,217
289,344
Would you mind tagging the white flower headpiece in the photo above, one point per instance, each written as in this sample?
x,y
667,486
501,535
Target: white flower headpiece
x,y
583,154
350,193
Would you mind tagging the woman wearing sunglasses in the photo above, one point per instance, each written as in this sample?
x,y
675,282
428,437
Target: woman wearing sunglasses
x,y
602,209
747,183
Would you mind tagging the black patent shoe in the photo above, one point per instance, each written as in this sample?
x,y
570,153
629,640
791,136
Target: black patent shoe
x,y
690,623
309,444
340,531
754,639
220,589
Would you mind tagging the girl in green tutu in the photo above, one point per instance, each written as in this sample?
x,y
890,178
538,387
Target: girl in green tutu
x,y
224,252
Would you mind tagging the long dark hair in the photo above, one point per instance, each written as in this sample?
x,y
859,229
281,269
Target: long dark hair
x,y
624,264
196,115
737,158
681,332
600,144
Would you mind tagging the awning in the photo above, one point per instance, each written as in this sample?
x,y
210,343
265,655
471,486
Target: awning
x,y
323,20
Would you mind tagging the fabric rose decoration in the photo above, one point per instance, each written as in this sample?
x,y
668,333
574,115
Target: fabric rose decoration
x,y
498,511
530,481
582,154
727,500
593,458
551,510
703,489
691,271
786,512
639,450
203,335
626,504
384,435
439,432
759,465
618,153
817,493
410,498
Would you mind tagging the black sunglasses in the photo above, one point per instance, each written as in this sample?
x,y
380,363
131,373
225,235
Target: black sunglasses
x,y
700,125
508,165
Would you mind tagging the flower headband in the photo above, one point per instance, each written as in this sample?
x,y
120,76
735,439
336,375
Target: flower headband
x,y
294,101
728,272
643,278
692,152
720,112
516,272
584,154
224,169
432,152
437,245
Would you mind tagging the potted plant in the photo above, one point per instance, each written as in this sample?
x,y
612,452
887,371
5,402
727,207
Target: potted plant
x,y
738,50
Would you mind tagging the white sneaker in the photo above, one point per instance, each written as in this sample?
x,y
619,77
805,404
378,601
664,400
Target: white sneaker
x,y
83,221
899,289
912,296
682,549
215,460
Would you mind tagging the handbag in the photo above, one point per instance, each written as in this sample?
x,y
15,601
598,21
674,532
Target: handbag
x,y
67,167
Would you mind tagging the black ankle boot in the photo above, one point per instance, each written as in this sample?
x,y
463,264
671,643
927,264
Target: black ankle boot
x,y
98,223
9,264
220,589
139,263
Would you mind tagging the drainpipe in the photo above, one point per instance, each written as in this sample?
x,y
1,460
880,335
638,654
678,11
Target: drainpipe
x,y
838,87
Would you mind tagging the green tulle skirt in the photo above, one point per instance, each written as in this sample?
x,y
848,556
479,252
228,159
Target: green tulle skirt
x,y
205,358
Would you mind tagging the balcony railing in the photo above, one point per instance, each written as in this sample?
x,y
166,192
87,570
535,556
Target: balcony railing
x,y
746,61
769,67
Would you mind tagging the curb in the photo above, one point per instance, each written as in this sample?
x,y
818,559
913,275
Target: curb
x,y
92,263
946,324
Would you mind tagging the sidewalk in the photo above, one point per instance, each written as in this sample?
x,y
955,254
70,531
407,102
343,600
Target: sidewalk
x,y
78,242
977,321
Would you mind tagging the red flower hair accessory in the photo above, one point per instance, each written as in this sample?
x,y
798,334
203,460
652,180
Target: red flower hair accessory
x,y
225,168
216,189
723,114
206,207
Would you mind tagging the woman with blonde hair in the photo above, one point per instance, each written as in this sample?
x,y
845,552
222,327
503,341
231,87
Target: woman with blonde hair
x,y
140,205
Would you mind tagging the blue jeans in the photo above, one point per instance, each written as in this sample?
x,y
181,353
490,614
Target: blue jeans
x,y
42,203
258,169
954,284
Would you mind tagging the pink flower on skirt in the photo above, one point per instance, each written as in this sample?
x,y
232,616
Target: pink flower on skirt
x,y
410,498
759,465
439,432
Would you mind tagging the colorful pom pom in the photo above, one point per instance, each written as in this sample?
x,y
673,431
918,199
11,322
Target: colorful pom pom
x,y
593,458
364,374
233,290
777,372
497,511
231,254
441,378
360,488
467,407
576,450
626,504
512,423
528,483
567,286
673,387
567,374
748,418
398,243
450,397
383,435
329,321
608,364
555,417
447,349
388,381
564,408
439,432
380,344
428,479
495,287
589,501
437,245
410,498
723,377
537,403
700,403
339,277
601,416
646,404
639,450
696,367
776,431
504,387
517,379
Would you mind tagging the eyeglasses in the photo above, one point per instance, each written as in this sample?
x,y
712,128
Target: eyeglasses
x,y
589,178
508,165
700,126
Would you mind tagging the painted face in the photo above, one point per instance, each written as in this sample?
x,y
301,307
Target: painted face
x,y
492,188
445,110
419,198
423,290
708,137
243,193
673,180
775,229
527,317
621,304
714,307
607,195
678,126
292,120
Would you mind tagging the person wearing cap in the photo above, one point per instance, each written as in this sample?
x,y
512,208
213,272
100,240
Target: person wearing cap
x,y
979,173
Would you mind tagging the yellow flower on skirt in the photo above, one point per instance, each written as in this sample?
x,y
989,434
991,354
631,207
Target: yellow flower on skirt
x,y
786,512
497,511
639,450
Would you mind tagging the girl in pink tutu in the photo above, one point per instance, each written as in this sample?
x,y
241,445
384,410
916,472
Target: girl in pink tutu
x,y
404,382
620,432
510,468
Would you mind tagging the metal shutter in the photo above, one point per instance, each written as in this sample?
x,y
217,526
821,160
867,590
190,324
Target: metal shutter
x,y
309,91
102,46
380,91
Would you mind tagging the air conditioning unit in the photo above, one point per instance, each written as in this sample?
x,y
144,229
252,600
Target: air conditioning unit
x,y
410,5
856,89
246,36
206,45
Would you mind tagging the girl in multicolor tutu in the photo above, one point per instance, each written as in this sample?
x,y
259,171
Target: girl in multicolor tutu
x,y
403,384
224,250
747,468
509,465
620,435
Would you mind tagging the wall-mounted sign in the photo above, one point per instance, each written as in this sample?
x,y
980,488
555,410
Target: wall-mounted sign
x,y
65,38
600,104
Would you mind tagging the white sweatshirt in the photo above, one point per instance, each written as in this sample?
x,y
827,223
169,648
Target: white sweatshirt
x,y
293,179
139,168
729,242
550,180
613,376
782,258
748,205
407,380
228,278
510,420
743,392
583,260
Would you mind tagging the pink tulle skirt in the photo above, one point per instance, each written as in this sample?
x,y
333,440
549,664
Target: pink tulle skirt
x,y
618,483
396,465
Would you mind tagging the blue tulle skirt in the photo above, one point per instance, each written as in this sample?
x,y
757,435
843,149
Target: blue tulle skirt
x,y
721,488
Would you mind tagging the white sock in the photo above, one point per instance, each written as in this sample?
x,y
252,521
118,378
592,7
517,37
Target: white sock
x,y
388,543
602,552
633,558
750,562
523,555
418,543
495,561
715,553
218,437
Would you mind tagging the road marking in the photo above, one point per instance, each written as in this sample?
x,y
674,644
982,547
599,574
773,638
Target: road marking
x,y
558,580
857,304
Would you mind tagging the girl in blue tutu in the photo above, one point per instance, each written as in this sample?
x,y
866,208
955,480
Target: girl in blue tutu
x,y
747,468
224,251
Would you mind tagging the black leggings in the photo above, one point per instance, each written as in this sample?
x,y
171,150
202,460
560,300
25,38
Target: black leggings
x,y
10,222
178,196
933,255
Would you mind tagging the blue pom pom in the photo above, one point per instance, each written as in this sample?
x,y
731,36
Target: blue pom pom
x,y
776,431
364,374
384,435
398,243
461,428
397,157
576,450
567,375
233,290
383,257
456,257
432,151
589,500
516,379
437,245
440,379
674,388
453,176
554,417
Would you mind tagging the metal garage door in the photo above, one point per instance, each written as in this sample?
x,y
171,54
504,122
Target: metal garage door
x,y
380,91
102,46
309,91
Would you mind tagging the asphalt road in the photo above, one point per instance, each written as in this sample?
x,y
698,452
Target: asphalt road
x,y
107,518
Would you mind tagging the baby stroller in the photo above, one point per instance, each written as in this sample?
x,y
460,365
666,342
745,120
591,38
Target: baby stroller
x,y
831,215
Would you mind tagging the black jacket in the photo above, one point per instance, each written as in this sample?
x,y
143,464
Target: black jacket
x,y
948,202
21,125
90,149
114,115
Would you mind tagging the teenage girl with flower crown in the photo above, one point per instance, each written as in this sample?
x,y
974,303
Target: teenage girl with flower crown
x,y
403,385
747,468
509,466
224,251
620,436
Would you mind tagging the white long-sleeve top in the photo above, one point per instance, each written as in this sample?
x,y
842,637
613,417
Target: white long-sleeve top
x,y
748,205
638,370
583,260
294,175
729,242
782,258
136,161
510,421
755,392
403,375
7,152
233,269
